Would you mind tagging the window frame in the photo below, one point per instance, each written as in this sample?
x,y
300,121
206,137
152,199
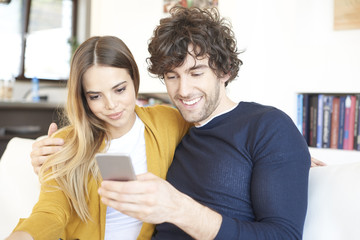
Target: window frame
x,y
25,29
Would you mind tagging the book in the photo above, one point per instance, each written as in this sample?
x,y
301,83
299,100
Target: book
x,y
358,126
352,122
327,111
313,104
341,122
349,121
306,118
334,134
356,123
319,122
299,112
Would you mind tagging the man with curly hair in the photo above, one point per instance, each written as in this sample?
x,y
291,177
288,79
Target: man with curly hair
x,y
242,171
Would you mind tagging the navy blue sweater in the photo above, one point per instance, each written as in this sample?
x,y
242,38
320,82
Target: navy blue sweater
x,y
251,165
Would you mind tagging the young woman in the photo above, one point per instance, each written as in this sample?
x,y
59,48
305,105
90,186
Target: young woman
x,y
102,117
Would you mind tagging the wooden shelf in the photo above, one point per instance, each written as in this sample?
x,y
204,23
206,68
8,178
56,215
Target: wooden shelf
x,y
17,116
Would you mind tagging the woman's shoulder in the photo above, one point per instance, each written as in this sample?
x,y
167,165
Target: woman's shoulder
x,y
162,117
158,111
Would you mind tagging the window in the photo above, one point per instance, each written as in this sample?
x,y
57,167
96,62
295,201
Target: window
x,y
38,38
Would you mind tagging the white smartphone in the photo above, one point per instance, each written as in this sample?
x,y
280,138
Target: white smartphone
x,y
116,167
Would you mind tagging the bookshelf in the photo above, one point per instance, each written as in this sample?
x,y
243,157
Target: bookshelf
x,y
330,122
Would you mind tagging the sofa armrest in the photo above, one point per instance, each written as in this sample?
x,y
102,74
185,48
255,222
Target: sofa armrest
x,y
334,203
19,185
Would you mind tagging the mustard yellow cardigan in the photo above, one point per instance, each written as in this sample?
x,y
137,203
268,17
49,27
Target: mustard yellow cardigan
x,y
52,217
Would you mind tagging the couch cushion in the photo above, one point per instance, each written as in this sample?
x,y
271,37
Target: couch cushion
x,y
334,203
19,185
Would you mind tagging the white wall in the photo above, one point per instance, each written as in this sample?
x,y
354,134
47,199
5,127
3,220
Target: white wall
x,y
133,22
290,46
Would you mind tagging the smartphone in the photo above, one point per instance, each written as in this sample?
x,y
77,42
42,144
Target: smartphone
x,y
116,167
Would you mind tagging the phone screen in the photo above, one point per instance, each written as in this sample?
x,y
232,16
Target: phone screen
x,y
116,167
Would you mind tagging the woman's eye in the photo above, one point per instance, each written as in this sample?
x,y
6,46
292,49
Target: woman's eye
x,y
120,90
93,97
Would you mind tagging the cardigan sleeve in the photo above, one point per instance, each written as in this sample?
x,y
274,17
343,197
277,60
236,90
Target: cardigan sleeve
x,y
52,211
165,128
49,216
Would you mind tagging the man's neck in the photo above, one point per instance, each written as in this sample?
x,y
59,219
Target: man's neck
x,y
224,106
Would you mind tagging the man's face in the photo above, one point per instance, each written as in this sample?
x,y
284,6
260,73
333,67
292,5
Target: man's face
x,y
195,90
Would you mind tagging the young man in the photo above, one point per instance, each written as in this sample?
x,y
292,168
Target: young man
x,y
241,172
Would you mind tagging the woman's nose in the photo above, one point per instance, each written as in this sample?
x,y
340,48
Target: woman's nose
x,y
110,103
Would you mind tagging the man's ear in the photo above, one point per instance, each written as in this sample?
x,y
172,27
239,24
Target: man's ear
x,y
225,78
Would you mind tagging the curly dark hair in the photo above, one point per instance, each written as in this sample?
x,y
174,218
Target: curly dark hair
x,y
210,35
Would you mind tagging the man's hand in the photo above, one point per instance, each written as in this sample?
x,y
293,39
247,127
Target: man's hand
x,y
153,200
20,235
316,163
41,149
146,199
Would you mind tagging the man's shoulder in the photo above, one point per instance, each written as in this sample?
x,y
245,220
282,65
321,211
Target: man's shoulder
x,y
260,116
259,110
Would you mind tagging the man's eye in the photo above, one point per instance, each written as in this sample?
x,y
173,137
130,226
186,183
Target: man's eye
x,y
196,74
170,77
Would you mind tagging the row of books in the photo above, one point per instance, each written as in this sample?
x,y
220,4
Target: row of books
x,y
329,120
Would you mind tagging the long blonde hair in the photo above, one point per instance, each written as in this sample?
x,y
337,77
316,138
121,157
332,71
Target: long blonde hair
x,y
74,164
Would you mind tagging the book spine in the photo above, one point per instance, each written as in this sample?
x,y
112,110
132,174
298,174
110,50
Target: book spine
x,y
299,119
356,121
334,135
341,122
346,142
350,145
358,128
313,120
319,122
306,118
327,121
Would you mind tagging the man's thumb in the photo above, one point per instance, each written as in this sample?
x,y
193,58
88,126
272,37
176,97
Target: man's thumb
x,y
52,128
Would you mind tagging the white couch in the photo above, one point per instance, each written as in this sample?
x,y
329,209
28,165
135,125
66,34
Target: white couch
x,y
19,185
333,210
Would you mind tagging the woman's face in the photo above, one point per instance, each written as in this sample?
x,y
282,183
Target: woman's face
x,y
110,95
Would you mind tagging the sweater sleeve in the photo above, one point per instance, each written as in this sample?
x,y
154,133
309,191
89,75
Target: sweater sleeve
x,y
52,211
279,182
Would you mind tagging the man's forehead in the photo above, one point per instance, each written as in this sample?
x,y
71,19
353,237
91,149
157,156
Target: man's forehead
x,y
191,61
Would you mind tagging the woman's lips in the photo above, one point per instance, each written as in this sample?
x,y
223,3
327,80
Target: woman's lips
x,y
115,116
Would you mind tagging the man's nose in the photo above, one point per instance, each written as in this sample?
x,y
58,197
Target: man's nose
x,y
184,86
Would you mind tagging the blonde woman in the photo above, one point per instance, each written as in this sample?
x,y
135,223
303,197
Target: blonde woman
x,y
102,117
